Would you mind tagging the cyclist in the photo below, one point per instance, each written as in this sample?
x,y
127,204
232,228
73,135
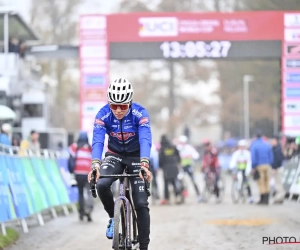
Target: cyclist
x,y
210,163
188,154
127,125
241,161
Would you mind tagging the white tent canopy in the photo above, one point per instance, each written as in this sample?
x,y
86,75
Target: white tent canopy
x,y
7,113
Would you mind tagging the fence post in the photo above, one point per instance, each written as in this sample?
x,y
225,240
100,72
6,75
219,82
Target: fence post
x,y
24,225
3,229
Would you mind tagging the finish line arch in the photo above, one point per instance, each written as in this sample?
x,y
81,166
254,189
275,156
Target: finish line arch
x,y
193,36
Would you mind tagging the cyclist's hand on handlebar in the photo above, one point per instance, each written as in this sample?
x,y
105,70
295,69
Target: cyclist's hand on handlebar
x,y
145,167
95,166
148,174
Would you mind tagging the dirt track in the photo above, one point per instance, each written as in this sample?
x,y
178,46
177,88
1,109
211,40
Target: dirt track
x,y
191,226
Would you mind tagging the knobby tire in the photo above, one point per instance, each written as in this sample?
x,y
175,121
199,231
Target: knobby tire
x,y
119,240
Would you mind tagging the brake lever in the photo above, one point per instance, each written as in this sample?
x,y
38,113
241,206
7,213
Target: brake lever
x,y
147,184
93,183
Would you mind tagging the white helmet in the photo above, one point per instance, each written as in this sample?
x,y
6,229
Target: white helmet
x,y
6,127
120,91
182,139
243,143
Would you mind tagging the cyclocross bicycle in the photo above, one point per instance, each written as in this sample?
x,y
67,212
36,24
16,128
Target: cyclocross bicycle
x,y
125,219
239,188
209,189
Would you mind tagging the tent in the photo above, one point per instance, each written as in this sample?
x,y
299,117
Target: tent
x,y
7,113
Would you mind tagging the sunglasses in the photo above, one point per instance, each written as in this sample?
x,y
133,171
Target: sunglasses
x,y
122,107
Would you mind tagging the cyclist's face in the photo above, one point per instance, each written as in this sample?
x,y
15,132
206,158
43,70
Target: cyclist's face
x,y
207,146
119,113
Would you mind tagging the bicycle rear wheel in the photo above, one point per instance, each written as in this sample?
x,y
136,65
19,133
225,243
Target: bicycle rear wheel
x,y
244,193
119,240
208,190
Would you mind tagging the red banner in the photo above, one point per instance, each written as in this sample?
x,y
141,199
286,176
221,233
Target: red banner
x,y
135,27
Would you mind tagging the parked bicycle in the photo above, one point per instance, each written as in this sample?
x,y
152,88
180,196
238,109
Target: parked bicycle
x,y
125,218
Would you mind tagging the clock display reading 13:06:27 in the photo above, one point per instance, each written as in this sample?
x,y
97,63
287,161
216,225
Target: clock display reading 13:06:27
x,y
196,49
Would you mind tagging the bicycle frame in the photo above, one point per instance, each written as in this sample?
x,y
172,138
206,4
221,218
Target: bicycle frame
x,y
125,195
239,177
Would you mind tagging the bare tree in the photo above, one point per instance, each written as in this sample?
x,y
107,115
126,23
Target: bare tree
x,y
56,23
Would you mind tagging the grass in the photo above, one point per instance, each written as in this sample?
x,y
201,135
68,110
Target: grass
x,y
59,210
10,237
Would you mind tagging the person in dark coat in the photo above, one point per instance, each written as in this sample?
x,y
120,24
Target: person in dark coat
x,y
277,171
169,160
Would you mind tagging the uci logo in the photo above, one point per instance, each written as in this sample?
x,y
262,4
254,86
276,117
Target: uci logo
x,y
158,26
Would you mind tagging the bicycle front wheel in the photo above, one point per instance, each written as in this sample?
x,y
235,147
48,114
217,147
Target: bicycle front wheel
x,y
119,240
235,192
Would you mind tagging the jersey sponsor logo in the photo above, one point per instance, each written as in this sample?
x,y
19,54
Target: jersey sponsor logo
x,y
113,157
135,163
137,113
105,116
144,120
99,122
118,135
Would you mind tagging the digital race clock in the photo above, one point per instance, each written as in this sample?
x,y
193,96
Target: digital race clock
x,y
195,49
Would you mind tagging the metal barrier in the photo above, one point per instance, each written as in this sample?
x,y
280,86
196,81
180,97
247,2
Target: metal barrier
x,y
291,178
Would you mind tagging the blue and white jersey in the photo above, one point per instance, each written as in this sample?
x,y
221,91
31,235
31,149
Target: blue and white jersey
x,y
132,134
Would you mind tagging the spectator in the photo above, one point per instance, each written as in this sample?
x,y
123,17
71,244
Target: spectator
x,y
82,155
16,141
34,142
22,48
5,134
291,149
13,46
262,160
169,160
24,146
278,171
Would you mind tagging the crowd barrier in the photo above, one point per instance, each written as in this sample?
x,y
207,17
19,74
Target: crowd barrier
x,y
32,183
290,178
